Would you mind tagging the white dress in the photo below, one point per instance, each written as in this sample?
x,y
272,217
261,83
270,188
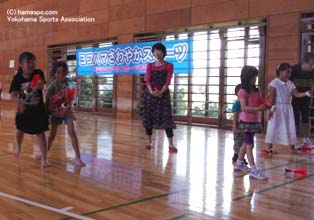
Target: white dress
x,y
281,127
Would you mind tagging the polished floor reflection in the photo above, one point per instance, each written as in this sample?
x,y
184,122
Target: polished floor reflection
x,y
124,181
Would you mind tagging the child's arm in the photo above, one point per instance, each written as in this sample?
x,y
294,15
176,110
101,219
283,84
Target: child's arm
x,y
20,107
272,101
48,94
48,98
247,108
235,122
15,97
267,95
14,92
242,96
272,95
301,94
42,80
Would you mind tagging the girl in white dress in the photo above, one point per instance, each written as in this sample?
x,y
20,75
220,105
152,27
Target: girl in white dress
x,y
281,125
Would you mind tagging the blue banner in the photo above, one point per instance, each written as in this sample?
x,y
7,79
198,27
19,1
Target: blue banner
x,y
132,58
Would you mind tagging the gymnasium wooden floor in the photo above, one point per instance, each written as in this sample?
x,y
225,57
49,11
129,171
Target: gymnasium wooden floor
x,y
124,181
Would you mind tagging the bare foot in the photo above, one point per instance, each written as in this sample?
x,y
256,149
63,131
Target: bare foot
x,y
295,151
17,152
36,155
80,163
45,164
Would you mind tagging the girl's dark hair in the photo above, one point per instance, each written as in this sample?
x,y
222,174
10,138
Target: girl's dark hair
x,y
58,64
237,89
247,74
24,57
161,47
282,67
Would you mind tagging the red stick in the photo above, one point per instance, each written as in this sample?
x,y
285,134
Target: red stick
x,y
306,148
301,171
35,81
262,101
70,95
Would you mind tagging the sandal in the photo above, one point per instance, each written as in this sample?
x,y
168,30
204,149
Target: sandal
x,y
273,151
269,151
296,151
173,149
148,146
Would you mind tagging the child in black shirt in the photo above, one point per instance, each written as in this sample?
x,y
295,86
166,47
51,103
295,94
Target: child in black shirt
x,y
27,91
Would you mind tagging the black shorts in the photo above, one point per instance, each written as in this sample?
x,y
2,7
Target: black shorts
x,y
301,106
34,120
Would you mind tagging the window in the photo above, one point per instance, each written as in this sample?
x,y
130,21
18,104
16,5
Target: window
x,y
206,94
307,28
94,93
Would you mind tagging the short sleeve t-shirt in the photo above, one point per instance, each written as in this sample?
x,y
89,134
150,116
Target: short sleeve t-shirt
x,y
236,107
59,100
27,89
303,80
251,100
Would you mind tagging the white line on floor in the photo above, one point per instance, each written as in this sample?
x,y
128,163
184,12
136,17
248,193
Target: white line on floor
x,y
52,209
67,208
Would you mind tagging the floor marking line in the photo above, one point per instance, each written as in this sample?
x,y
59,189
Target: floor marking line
x,y
272,187
159,196
67,208
129,203
307,163
52,209
181,216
